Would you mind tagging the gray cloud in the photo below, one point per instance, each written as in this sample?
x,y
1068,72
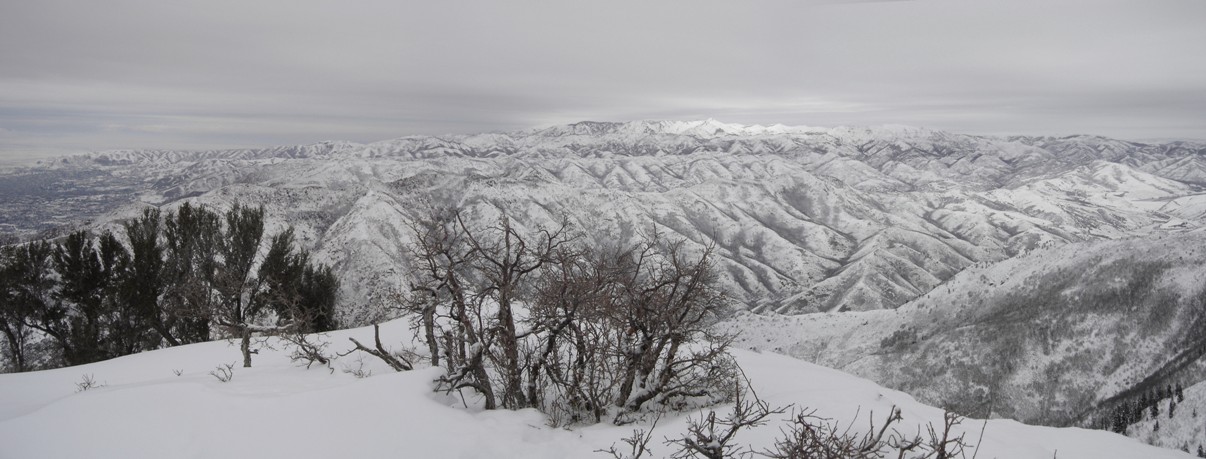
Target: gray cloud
x,y
81,75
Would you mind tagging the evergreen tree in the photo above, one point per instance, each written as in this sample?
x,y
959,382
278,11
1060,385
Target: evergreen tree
x,y
12,324
143,287
124,331
1118,421
88,271
27,298
301,293
25,288
320,290
191,236
281,275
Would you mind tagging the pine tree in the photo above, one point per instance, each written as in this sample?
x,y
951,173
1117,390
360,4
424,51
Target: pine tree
x,y
1118,421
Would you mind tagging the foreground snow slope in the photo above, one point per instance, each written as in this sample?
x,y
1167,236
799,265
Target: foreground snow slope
x,y
278,409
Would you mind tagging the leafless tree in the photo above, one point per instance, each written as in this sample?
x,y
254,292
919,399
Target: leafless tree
x,y
667,305
446,303
572,360
504,258
603,329
622,327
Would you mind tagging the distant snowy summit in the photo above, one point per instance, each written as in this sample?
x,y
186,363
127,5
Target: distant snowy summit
x,y
701,128
654,137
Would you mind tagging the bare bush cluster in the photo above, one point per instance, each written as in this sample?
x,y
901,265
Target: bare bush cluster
x,y
224,372
88,381
538,319
805,436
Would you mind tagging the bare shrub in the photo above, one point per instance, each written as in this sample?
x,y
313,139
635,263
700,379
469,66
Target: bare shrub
x,y
638,443
713,437
358,371
224,372
308,349
87,382
813,437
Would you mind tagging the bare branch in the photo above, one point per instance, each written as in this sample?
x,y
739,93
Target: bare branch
x,y
398,363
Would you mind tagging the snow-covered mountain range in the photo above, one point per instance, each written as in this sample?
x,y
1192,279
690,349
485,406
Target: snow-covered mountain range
x,y
804,219
1048,279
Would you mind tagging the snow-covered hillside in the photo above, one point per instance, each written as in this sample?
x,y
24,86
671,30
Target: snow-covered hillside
x,y
803,219
1048,335
163,404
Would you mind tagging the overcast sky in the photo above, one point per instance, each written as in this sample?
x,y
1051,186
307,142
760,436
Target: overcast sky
x,y
96,75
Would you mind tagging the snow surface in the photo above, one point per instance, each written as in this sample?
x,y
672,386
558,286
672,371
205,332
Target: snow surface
x,y
278,409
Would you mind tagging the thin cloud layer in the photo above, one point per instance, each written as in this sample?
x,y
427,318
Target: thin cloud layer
x,y
80,75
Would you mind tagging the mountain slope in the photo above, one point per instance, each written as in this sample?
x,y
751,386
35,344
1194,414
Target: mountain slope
x,y
1054,336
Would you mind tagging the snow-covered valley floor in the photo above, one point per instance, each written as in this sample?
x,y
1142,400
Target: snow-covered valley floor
x,y
143,409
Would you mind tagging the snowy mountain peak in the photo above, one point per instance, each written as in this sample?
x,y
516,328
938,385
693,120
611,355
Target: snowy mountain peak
x,y
705,128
